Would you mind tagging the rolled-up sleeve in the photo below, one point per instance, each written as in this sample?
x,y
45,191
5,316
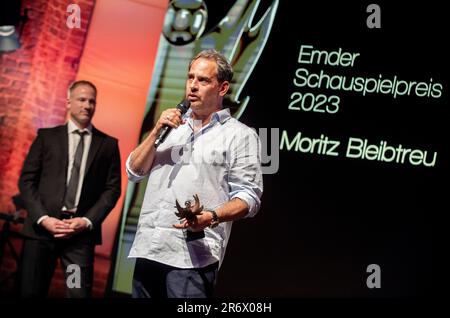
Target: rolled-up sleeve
x,y
132,176
245,177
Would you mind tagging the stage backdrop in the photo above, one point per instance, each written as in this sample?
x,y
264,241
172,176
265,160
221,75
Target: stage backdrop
x,y
350,101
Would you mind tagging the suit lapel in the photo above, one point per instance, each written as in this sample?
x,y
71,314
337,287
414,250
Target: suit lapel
x,y
95,146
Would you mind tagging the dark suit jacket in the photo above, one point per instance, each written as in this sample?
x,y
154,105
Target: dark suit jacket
x,y
43,180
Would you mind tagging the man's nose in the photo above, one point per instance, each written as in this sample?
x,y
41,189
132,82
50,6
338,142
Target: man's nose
x,y
193,86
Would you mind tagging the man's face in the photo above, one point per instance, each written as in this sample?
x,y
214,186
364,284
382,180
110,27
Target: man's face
x,y
81,105
203,89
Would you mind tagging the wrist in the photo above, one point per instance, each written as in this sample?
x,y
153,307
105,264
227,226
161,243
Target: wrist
x,y
156,131
41,220
214,218
88,223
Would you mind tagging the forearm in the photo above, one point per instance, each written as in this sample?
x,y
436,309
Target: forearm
x,y
142,157
29,180
232,210
110,194
32,202
104,205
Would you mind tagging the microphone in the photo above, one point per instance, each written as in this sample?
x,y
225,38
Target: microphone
x,y
183,107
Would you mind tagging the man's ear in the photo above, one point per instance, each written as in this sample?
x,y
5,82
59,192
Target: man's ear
x,y
224,87
68,109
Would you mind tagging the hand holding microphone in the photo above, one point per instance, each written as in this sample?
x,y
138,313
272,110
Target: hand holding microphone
x,y
171,118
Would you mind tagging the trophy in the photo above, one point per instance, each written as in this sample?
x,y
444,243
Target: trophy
x,y
190,212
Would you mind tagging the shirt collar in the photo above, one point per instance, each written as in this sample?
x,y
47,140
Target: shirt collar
x,y
71,127
220,116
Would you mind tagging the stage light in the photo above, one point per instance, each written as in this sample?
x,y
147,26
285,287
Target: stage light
x,y
11,25
9,40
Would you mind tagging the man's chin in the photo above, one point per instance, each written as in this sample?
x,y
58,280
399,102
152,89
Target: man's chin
x,y
84,121
86,117
196,105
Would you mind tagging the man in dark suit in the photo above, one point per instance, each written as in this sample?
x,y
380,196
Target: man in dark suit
x,y
69,183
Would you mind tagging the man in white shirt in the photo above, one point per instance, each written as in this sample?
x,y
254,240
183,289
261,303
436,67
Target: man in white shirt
x,y
208,155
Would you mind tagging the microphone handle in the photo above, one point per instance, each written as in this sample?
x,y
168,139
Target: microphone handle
x,y
162,135
182,107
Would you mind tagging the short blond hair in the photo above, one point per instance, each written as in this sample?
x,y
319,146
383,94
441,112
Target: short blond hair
x,y
80,83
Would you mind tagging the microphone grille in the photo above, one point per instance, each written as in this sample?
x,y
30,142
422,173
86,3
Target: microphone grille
x,y
184,106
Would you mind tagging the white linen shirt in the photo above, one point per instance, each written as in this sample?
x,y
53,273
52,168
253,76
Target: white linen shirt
x,y
220,162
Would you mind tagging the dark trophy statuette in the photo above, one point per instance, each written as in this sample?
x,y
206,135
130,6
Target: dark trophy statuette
x,y
190,212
